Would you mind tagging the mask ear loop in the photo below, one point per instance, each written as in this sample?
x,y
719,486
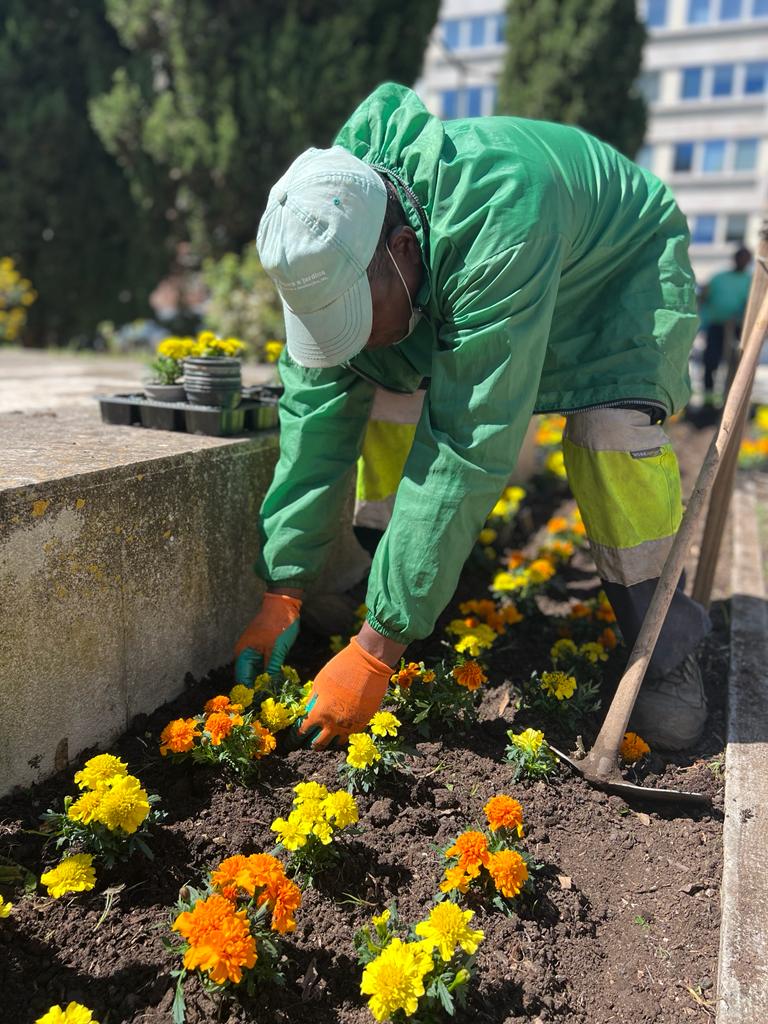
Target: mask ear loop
x,y
394,261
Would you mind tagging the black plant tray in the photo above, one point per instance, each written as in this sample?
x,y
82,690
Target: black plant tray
x,y
257,411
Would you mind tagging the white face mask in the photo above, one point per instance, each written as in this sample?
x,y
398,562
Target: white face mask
x,y
416,314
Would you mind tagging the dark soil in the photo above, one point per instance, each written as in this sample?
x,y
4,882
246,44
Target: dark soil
x,y
623,928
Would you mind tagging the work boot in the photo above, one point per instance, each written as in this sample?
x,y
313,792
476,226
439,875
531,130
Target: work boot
x,y
671,708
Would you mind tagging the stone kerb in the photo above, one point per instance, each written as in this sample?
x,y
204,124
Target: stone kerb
x,y
117,581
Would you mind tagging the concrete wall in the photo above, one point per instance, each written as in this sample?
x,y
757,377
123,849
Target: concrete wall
x,y
116,583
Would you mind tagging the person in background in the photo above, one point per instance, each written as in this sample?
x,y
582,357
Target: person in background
x,y
722,302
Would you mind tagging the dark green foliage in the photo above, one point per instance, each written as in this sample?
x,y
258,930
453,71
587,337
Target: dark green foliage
x,y
576,63
68,219
216,97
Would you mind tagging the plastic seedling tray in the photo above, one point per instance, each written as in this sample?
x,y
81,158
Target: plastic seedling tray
x,y
256,411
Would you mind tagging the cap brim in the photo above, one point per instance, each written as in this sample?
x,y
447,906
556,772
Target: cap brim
x,y
333,334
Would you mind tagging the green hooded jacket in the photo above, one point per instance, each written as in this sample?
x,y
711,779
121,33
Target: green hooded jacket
x,y
556,277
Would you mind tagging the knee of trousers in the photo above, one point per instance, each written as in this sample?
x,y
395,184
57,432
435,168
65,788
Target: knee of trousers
x,y
624,475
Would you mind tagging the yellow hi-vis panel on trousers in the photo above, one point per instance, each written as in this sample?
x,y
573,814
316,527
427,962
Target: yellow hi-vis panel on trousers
x,y
380,466
625,499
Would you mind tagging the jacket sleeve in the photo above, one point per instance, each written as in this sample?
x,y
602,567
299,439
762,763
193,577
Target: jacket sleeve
x,y
323,415
485,377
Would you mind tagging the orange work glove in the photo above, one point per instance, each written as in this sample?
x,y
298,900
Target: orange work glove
x,y
267,639
348,692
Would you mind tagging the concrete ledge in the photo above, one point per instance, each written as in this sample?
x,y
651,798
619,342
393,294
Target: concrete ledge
x,y
125,562
743,965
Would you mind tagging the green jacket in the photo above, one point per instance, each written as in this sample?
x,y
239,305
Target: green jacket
x,y
556,278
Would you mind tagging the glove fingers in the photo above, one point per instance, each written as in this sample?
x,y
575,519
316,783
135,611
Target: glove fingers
x,y
326,737
248,665
282,646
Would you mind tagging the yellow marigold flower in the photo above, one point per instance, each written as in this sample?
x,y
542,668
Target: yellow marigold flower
x,y
72,874
310,811
608,639
362,751
633,747
562,649
530,740
73,1013
291,832
395,979
290,675
179,736
382,918
506,581
384,723
273,349
85,807
503,811
5,907
558,684
471,848
541,570
447,928
219,937
322,830
593,652
508,871
455,878
309,791
124,805
469,675
262,681
275,715
554,463
478,640
175,348
487,536
100,769
241,695
341,808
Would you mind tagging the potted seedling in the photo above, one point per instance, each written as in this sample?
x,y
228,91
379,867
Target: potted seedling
x,y
213,371
167,367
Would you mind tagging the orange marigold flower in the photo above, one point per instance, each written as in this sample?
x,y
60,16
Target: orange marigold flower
x,y
541,570
287,900
219,937
469,675
562,549
608,639
220,725
406,675
179,736
579,610
220,703
455,878
503,811
508,871
511,614
604,611
472,850
237,871
515,559
633,747
557,524
267,741
578,528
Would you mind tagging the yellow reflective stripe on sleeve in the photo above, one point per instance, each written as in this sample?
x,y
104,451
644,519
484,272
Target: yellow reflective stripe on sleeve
x,y
380,466
625,500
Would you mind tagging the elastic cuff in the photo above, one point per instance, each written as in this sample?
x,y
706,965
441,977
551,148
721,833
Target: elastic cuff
x,y
400,638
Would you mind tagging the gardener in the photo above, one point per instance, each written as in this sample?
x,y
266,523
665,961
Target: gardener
x,y
520,267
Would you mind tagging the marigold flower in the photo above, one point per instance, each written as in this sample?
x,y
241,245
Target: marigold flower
x,y
124,805
384,723
471,848
554,463
633,748
291,832
395,979
469,675
593,652
604,612
273,349
290,675
99,770
557,524
179,736
85,807
219,703
72,874
262,681
219,725
503,811
5,907
487,536
447,928
175,348
266,741
608,639
530,740
73,1013
321,829
286,902
309,791
511,615
341,808
406,675
472,643
541,570
506,581
428,676
219,937
508,871
558,684
362,752
562,649
241,695
275,715
382,918
247,872
579,610
455,878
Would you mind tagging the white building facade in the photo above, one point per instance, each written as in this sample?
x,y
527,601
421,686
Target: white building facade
x,y
705,76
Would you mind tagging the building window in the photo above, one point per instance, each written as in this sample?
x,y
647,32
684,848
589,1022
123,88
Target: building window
x,y
691,84
735,228
756,80
452,33
649,85
722,80
703,229
498,28
449,104
698,12
474,101
656,13
745,155
645,157
683,160
730,10
477,32
713,159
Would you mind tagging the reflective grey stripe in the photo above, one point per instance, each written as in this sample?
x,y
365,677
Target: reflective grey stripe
x,y
615,430
628,566
374,514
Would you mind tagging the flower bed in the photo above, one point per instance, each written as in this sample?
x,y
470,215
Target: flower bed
x,y
558,902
